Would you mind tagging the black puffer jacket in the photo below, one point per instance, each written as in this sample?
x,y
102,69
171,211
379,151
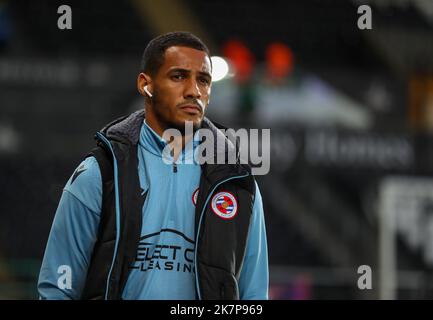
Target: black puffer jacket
x,y
217,263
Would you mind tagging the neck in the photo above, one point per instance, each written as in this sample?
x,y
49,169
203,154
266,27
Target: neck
x,y
154,123
179,141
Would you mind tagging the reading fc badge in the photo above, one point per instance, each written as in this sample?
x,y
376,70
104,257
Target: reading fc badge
x,y
224,205
194,197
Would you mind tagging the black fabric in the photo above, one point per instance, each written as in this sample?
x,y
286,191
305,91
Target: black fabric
x,y
218,262
103,250
131,203
222,245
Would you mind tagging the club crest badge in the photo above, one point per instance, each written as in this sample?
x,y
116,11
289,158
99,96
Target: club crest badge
x,y
194,197
224,205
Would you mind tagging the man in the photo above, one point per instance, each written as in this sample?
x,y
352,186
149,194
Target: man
x,y
131,226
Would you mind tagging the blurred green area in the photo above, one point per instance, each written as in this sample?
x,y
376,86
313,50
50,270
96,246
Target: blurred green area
x,y
18,278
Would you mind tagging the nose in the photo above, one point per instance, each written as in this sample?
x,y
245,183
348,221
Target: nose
x,y
192,89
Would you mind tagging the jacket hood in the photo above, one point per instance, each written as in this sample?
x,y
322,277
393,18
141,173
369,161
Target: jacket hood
x,y
128,128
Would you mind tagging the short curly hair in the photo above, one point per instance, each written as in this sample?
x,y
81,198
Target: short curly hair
x,y
153,55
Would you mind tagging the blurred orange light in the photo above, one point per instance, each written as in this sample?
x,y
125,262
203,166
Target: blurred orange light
x,y
240,57
279,60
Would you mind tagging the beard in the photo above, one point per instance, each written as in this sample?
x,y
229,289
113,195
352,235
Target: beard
x,y
167,122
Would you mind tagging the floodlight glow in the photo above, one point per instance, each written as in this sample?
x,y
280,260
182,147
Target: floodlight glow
x,y
220,68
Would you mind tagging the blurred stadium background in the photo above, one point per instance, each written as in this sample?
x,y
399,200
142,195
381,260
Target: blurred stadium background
x,y
350,112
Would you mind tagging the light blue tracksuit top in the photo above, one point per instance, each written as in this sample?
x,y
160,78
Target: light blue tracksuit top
x,y
163,267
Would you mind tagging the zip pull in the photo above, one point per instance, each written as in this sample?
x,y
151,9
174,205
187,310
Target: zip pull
x,y
174,167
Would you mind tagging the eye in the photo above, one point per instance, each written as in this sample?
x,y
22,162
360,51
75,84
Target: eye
x,y
178,76
205,81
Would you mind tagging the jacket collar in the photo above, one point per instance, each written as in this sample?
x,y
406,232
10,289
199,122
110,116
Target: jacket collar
x,y
129,127
127,130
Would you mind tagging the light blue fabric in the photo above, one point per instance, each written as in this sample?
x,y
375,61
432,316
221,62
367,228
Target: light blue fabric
x,y
73,233
163,266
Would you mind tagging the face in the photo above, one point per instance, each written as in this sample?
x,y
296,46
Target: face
x,y
181,88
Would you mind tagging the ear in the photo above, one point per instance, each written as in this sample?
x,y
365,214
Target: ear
x,y
144,80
